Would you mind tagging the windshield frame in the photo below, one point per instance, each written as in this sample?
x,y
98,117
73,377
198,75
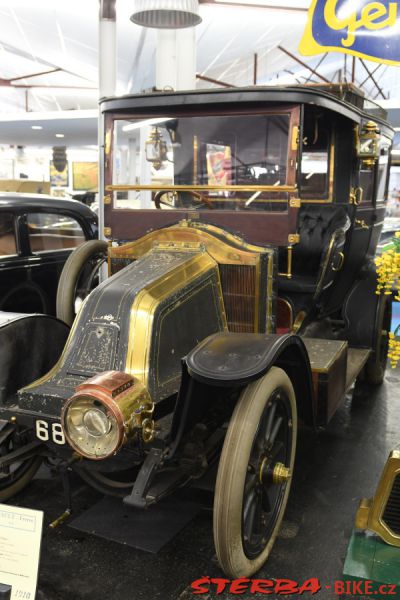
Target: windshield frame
x,y
258,226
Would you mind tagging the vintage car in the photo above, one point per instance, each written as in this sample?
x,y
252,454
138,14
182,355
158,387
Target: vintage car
x,y
242,226
37,234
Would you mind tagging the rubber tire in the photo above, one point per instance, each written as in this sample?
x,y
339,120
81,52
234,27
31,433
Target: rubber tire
x,y
21,483
374,372
228,498
69,276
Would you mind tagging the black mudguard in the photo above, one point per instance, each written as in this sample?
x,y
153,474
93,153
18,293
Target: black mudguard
x,y
30,346
224,361
360,311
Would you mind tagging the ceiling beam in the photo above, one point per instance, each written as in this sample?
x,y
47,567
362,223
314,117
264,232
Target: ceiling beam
x,y
303,64
215,81
373,79
55,70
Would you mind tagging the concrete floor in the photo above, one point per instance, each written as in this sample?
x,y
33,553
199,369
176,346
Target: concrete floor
x,y
334,469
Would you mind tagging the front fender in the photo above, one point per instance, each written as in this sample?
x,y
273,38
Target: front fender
x,y
30,345
235,359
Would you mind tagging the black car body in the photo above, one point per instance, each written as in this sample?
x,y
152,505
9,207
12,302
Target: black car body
x,y
37,234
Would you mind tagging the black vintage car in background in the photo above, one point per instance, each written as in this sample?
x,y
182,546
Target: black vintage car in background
x,y
240,300
37,234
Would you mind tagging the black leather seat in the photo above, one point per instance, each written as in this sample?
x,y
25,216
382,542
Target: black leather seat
x,y
319,254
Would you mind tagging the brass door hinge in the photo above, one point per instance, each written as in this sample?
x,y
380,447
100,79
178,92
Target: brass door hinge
x,y
293,238
107,231
295,203
107,199
295,137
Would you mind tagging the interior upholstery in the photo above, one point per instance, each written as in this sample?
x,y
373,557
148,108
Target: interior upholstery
x,y
322,232
7,244
40,242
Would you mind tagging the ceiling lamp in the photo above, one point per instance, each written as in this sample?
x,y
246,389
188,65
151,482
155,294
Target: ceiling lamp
x,y
166,14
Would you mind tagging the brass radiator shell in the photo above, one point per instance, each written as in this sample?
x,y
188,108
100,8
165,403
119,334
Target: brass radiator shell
x,y
381,514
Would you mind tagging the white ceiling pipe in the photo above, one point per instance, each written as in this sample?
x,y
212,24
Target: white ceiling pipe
x,y
107,48
107,87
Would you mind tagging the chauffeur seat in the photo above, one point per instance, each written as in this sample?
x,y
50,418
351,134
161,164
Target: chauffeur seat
x,y
318,255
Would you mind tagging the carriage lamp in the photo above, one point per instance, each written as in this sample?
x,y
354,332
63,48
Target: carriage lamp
x,y
105,412
368,143
156,149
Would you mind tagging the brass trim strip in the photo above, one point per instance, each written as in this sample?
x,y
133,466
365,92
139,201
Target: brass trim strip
x,y
202,187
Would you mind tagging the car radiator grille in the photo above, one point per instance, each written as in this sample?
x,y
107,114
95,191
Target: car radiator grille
x,y
391,515
240,296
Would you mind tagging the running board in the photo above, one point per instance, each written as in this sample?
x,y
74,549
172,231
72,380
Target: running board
x,y
356,359
335,368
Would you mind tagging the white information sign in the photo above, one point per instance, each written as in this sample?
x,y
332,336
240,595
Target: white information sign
x,y
20,538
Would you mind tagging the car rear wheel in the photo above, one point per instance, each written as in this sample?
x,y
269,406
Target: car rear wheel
x,y
15,477
79,277
376,364
254,474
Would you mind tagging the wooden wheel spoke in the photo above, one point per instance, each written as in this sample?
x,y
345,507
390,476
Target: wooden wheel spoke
x,y
266,501
250,484
249,502
256,530
275,450
270,420
275,431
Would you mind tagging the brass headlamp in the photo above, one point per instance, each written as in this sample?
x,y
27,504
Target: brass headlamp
x,y
105,412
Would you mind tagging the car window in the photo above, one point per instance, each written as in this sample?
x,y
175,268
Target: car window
x,y
49,231
8,244
316,156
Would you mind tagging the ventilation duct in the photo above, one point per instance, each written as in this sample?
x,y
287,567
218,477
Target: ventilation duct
x,y
166,14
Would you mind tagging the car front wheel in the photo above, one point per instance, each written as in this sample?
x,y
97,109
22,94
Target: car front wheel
x,y
254,474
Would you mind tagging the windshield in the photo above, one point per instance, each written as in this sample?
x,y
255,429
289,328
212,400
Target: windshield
x,y
223,162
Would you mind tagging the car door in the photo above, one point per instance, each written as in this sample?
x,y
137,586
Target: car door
x,y
13,274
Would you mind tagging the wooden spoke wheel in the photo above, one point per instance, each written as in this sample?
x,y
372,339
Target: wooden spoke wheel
x,y
254,474
118,484
15,477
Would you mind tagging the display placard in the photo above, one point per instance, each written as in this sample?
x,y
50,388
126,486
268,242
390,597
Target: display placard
x,y
20,539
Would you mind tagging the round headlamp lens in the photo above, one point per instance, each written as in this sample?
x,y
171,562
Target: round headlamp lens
x,y
91,428
96,422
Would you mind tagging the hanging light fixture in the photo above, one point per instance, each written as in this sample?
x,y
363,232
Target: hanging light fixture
x,y
166,14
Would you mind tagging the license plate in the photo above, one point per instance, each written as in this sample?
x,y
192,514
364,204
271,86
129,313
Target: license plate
x,y
50,432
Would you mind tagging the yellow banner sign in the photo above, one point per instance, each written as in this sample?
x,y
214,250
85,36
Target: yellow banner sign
x,y
366,29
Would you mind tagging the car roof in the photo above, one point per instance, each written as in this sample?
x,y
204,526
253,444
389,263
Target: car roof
x,y
347,102
41,202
